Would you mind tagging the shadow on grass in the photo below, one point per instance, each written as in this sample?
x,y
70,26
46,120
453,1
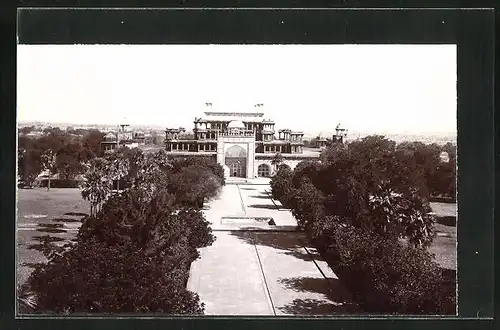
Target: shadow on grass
x,y
447,220
45,248
66,220
263,196
313,307
31,264
51,230
77,214
289,242
50,225
45,243
337,299
48,238
263,206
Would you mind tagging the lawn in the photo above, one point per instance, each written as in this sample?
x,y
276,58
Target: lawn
x,y
40,213
444,209
444,245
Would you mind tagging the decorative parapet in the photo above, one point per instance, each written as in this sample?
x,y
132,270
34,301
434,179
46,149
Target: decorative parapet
x,y
294,156
243,133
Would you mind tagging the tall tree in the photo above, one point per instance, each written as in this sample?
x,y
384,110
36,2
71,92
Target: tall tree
x,y
68,161
118,168
26,129
363,184
29,165
193,184
97,186
277,160
48,161
92,141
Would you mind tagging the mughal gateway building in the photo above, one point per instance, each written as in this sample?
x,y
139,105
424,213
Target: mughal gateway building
x,y
243,143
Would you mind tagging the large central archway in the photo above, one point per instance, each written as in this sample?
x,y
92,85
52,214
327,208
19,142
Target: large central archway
x,y
236,160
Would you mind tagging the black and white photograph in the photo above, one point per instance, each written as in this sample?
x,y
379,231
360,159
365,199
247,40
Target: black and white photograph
x,y
236,179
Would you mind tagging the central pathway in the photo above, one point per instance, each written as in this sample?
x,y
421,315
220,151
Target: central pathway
x,y
254,268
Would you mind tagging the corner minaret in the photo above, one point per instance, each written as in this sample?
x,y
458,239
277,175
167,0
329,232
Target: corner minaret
x,y
340,134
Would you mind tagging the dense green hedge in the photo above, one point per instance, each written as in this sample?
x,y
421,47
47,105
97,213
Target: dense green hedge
x,y
133,254
386,276
364,207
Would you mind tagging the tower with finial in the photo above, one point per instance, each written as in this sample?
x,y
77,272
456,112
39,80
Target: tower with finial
x,y
320,141
340,134
123,127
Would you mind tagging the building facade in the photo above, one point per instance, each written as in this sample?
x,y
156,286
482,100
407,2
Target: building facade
x,y
123,137
245,144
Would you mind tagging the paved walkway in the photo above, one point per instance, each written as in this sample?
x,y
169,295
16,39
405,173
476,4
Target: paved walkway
x,y
254,268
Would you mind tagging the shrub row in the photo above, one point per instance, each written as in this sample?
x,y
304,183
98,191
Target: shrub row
x,y
94,277
134,254
386,276
131,257
365,208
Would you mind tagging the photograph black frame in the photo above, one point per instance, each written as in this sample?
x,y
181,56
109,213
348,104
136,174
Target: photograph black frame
x,y
471,29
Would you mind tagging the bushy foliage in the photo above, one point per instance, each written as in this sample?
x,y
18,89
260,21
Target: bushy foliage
x,y
281,186
94,277
29,165
357,205
387,276
68,153
180,163
70,160
401,215
277,160
133,253
365,185
128,219
439,176
98,184
307,205
193,184
131,257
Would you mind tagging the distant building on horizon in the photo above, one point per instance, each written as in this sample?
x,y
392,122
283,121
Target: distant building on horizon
x,y
123,137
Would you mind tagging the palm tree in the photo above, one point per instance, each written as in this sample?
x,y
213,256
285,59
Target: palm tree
x,y
97,186
48,162
118,168
151,173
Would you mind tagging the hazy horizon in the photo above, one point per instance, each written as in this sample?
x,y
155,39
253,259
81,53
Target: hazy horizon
x,y
384,89
189,128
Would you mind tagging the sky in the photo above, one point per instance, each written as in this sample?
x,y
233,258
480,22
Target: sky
x,y
387,89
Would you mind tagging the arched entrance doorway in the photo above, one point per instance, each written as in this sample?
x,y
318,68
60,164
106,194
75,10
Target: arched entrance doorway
x,y
236,161
264,170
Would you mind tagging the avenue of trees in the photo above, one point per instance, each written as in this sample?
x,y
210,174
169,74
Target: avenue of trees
x,y
57,151
364,206
133,253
